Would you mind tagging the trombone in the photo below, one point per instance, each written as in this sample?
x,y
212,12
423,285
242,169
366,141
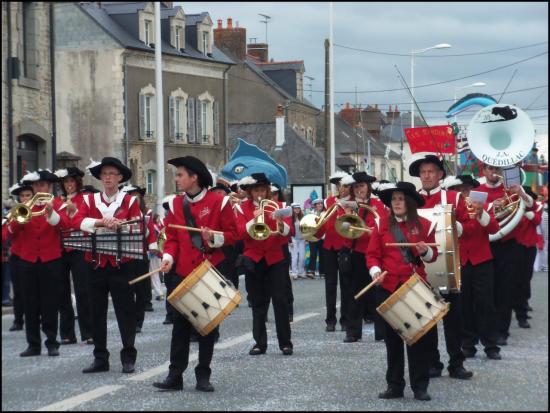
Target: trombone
x,y
22,212
259,230
311,223
351,225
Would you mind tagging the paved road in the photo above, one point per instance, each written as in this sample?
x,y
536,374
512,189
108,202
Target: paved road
x,y
323,374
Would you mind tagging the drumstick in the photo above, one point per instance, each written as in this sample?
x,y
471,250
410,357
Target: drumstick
x,y
408,244
193,229
368,287
142,277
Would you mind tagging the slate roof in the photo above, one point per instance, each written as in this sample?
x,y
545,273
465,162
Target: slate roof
x,y
111,17
303,163
393,131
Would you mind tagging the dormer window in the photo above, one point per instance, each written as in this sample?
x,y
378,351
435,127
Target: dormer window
x,y
147,24
205,36
147,31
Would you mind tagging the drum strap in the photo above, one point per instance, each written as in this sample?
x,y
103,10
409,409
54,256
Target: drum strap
x,y
196,238
400,237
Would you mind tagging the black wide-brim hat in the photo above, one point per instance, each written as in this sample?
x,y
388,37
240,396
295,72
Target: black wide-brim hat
x,y
70,171
467,180
407,188
196,166
40,175
89,188
221,186
257,179
363,177
18,188
114,162
414,167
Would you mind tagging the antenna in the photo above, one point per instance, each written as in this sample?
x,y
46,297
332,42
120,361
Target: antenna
x,y
266,21
310,86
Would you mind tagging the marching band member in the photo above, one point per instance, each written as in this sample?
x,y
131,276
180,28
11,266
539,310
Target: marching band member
x,y
430,169
332,244
40,266
23,193
505,250
265,267
403,225
108,209
359,275
70,180
202,209
477,273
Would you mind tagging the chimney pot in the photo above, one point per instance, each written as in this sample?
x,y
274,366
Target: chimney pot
x,y
229,23
220,23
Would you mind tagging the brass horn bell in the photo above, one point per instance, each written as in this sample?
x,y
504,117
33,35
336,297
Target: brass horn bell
x,y
22,212
259,230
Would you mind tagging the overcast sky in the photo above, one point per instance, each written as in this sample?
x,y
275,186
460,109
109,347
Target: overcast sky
x,y
296,31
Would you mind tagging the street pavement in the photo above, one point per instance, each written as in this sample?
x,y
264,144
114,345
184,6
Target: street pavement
x,y
323,374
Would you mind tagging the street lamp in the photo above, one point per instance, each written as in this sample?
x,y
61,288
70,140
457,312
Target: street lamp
x,y
413,52
476,84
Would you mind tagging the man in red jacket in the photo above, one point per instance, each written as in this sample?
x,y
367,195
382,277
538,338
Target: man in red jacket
x,y
478,302
40,266
199,208
108,274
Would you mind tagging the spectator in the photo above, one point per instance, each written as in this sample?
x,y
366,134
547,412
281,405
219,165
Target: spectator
x,y
315,247
298,249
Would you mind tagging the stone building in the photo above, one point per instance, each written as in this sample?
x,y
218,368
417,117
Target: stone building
x,y
105,76
28,134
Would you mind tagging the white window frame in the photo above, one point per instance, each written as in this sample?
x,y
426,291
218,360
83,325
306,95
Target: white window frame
x,y
178,121
149,119
205,41
150,181
206,102
177,37
148,24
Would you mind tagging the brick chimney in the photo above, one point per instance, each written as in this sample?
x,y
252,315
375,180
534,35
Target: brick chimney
x,y
231,39
349,115
392,114
258,51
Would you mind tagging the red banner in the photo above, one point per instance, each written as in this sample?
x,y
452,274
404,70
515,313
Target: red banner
x,y
438,139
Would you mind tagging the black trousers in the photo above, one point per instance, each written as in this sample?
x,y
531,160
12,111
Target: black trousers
x,y
171,280
101,282
268,282
290,294
316,249
353,282
74,263
478,306
452,327
17,282
331,285
507,262
522,282
417,355
230,269
140,267
41,295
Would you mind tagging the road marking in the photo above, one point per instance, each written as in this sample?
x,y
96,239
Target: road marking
x,y
82,398
305,316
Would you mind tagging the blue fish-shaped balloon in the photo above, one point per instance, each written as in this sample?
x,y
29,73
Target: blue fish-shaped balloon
x,y
473,99
248,159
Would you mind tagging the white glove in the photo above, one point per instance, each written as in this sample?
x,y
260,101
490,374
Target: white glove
x,y
529,215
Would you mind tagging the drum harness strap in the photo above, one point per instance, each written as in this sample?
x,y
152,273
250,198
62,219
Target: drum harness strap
x,y
405,251
196,238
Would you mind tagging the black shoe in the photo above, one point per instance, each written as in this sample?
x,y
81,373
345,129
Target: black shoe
x,y
149,307
170,383
528,317
96,367
204,385
460,373
128,367
287,350
469,352
330,327
434,372
167,321
494,355
53,352
422,395
350,339
30,352
501,341
524,324
16,327
391,393
65,341
138,329
256,351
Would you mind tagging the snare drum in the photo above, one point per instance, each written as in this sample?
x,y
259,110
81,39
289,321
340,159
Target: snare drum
x,y
413,309
205,298
444,273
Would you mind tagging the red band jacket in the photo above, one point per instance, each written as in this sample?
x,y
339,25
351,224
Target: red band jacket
x,y
333,240
474,245
527,227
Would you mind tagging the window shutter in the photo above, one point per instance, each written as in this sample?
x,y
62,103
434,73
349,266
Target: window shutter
x,y
153,116
191,120
198,111
171,117
216,123
141,116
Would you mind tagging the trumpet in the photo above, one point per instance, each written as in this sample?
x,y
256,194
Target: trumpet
x,y
259,230
22,212
311,223
351,225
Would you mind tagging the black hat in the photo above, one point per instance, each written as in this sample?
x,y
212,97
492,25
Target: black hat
x,y
363,177
89,188
129,189
69,171
530,192
253,180
337,177
464,180
109,161
407,188
221,186
414,167
234,187
40,175
17,188
377,185
196,166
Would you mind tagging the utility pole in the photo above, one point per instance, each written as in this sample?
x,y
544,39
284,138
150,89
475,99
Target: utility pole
x,y
356,132
328,120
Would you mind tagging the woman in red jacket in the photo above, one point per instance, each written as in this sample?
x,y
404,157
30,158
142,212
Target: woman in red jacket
x,y
403,225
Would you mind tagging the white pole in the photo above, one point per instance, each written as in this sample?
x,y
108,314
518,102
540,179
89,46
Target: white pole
x,y
160,114
412,89
331,85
